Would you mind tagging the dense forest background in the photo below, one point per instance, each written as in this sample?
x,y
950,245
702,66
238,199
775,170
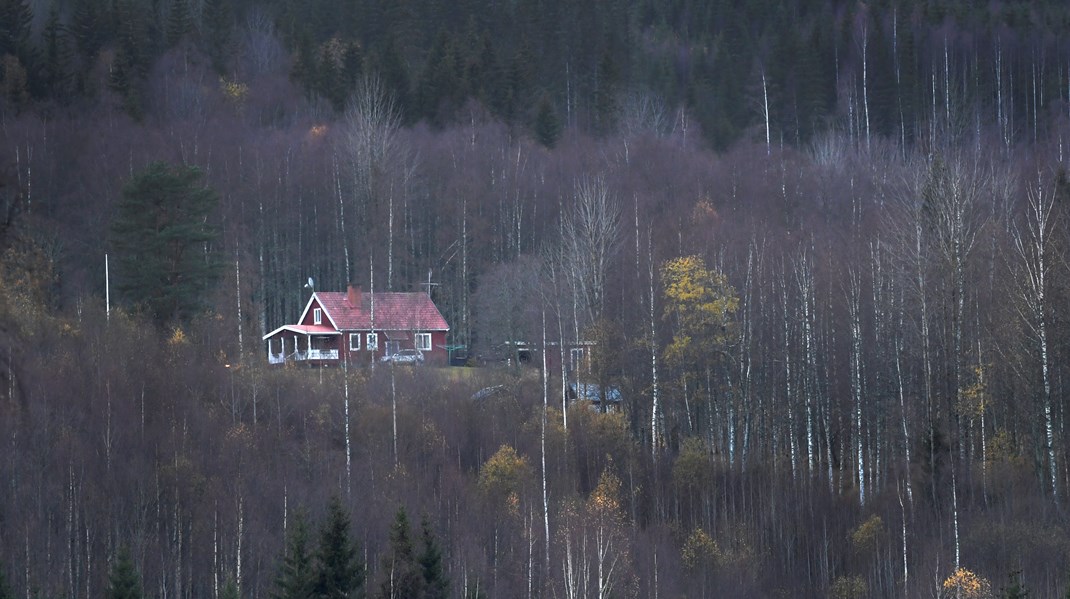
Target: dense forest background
x,y
822,249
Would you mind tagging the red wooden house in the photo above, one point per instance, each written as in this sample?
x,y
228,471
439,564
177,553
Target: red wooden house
x,y
361,328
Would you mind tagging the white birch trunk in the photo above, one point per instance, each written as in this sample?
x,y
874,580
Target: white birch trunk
x,y
654,403
542,447
1033,248
349,447
854,309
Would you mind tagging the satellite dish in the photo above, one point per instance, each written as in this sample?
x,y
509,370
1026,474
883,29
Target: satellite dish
x,y
309,285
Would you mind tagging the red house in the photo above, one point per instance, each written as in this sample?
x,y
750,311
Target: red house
x,y
361,328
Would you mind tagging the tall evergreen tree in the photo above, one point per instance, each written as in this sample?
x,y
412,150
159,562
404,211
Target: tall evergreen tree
x,y
1015,588
605,94
394,75
163,240
179,21
436,583
402,576
89,30
5,590
339,571
217,25
547,123
15,20
133,58
230,589
123,581
56,63
296,577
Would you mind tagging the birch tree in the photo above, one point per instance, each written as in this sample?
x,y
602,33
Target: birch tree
x,y
381,167
591,236
701,305
1033,245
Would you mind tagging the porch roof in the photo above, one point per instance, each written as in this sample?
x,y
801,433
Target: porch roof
x,y
304,329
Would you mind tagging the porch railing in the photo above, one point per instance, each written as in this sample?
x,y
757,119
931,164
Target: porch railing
x,y
300,356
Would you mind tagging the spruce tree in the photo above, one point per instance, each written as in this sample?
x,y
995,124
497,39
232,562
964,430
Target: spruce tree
x,y
339,571
296,578
123,582
401,573
547,124
162,241
230,589
394,75
1015,589
88,29
15,20
5,590
436,583
217,24
605,94
56,64
179,21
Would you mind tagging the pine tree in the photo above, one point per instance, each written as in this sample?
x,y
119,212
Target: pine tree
x,y
123,582
162,241
401,574
296,578
436,583
339,571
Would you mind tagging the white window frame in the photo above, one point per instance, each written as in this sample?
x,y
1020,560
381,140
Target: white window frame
x,y
576,357
354,342
372,342
423,341
317,316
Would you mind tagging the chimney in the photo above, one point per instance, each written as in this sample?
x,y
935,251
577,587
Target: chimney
x,y
353,296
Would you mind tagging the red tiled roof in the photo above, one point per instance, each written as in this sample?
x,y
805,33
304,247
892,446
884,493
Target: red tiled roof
x,y
394,311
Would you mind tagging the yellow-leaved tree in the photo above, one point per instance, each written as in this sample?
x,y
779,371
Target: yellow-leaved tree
x,y
503,477
700,304
964,584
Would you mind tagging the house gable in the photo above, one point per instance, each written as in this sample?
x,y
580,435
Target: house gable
x,y
314,303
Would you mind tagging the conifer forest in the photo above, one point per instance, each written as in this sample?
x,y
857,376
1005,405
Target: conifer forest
x,y
818,252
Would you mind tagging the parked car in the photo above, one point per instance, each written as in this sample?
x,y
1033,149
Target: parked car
x,y
404,356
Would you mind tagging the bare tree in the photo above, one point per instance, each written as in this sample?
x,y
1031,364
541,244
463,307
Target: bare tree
x,y
591,236
1034,247
382,168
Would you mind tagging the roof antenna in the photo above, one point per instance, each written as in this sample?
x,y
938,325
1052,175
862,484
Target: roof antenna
x,y
429,284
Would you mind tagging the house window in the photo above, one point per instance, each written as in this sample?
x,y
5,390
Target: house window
x,y
354,341
317,316
372,343
576,358
423,341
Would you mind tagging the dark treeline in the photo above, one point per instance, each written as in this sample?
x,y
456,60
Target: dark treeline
x,y
841,341
779,69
